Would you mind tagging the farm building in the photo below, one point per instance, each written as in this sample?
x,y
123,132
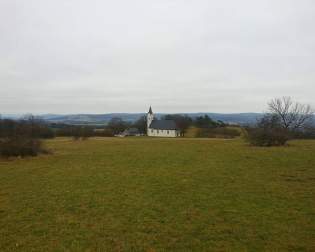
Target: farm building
x,y
130,132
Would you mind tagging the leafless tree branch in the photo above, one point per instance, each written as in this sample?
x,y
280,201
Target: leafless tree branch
x,y
293,115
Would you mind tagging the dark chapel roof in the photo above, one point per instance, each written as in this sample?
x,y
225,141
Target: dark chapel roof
x,y
163,125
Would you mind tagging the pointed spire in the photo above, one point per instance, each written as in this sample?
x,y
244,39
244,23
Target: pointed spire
x,y
150,111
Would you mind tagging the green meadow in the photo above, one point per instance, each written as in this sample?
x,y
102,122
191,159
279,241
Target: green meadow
x,y
145,194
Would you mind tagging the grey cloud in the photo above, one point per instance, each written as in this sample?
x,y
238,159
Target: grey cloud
x,y
179,56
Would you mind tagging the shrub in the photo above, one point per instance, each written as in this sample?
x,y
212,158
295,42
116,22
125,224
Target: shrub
x,y
268,132
20,146
104,133
22,138
286,119
267,137
307,133
206,122
82,132
117,125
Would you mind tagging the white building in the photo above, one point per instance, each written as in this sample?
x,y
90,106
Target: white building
x,y
130,132
161,128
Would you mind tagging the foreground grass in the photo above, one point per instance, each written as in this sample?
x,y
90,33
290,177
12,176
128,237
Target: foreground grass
x,y
143,194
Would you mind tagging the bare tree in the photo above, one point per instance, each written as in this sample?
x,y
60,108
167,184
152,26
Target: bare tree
x,y
292,115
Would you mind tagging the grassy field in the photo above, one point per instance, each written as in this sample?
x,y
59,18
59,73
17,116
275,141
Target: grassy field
x,y
143,194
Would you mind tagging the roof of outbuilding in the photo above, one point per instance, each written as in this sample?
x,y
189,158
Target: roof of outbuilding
x,y
132,131
163,125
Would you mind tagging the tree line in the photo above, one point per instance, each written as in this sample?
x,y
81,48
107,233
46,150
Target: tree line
x,y
284,120
23,137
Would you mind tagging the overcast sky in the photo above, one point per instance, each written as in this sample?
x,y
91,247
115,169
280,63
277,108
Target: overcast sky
x,y
98,56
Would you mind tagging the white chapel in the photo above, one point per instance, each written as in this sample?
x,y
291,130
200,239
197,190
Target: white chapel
x,y
161,128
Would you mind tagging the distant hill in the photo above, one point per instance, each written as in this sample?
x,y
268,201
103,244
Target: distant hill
x,y
91,118
240,118
96,119
101,119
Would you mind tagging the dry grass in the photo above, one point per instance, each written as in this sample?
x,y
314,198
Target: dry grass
x,y
145,194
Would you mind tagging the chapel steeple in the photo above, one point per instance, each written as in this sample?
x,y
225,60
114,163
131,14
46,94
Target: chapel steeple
x,y
150,118
150,111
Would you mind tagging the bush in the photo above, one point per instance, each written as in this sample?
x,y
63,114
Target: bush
x,y
104,133
307,133
268,132
267,137
22,138
206,122
286,120
117,125
30,127
20,146
82,132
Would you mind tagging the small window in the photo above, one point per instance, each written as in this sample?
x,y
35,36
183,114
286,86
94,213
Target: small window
x,y
158,131
168,132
